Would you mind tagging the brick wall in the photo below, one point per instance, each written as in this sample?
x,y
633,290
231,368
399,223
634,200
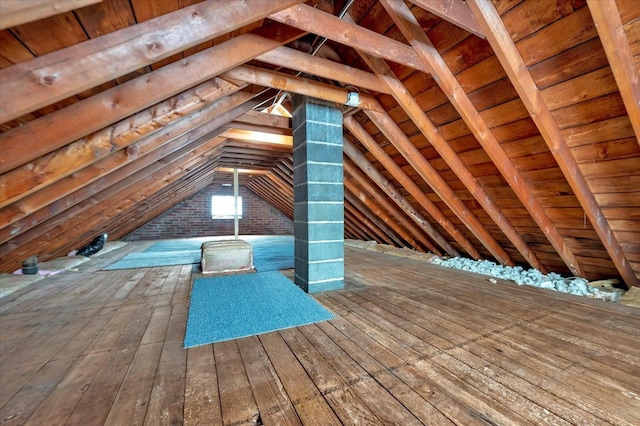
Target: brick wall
x,y
192,218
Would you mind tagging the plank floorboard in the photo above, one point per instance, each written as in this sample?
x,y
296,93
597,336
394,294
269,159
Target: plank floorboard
x,y
236,397
202,401
130,404
274,404
411,343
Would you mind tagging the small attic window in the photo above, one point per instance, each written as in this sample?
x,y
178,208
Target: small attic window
x,y
222,207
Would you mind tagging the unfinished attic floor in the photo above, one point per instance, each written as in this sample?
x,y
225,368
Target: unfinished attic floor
x,y
411,343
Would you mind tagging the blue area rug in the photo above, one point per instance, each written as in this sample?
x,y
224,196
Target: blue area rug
x,y
273,256
234,306
150,259
272,253
175,245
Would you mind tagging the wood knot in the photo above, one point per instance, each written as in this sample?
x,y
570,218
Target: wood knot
x,y
133,151
154,47
279,82
47,80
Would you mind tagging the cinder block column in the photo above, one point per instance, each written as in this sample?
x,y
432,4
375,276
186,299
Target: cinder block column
x,y
318,195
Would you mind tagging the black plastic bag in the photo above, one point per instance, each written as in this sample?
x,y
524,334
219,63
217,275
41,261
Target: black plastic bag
x,y
94,246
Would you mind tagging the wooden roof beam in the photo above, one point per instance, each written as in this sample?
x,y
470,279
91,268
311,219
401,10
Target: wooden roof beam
x,y
409,26
146,151
172,187
356,228
281,184
414,232
281,199
441,145
17,12
259,138
259,128
480,129
366,199
507,52
289,83
402,143
36,209
47,79
284,177
106,194
242,171
613,37
333,28
285,199
300,61
259,118
285,172
455,11
141,212
206,100
353,227
50,132
258,188
107,203
383,183
408,184
380,230
122,224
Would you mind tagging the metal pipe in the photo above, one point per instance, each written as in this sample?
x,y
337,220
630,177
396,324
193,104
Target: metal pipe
x,y
235,203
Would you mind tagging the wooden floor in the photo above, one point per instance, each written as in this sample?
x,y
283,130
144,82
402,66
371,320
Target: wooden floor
x,y
412,343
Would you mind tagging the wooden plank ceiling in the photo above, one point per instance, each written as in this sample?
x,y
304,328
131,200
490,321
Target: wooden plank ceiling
x,y
504,130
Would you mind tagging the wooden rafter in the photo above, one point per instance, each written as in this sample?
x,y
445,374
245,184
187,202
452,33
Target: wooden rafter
x,y
383,183
268,139
353,226
109,173
415,232
299,61
398,225
370,221
50,132
17,12
455,11
146,152
283,186
333,28
511,60
480,129
613,37
398,174
430,131
258,118
415,158
108,202
276,199
329,26
53,77
186,182
19,182
289,83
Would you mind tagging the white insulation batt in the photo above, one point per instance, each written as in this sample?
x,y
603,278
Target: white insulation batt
x,y
532,277
226,256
